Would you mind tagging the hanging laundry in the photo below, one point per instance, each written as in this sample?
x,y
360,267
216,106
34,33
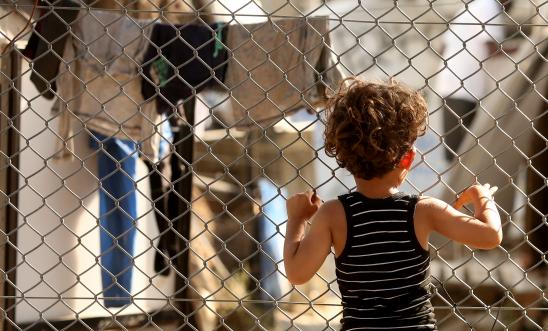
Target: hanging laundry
x,y
182,60
278,67
104,72
161,175
100,87
167,201
51,29
117,160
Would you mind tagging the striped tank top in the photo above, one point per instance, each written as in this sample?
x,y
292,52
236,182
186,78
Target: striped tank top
x,y
383,272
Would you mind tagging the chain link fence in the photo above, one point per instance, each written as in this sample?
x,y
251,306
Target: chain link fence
x,y
148,147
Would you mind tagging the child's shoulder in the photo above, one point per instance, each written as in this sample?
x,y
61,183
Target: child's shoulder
x,y
331,208
429,204
330,214
428,208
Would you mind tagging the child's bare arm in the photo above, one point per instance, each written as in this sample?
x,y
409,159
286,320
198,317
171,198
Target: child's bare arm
x,y
483,230
304,253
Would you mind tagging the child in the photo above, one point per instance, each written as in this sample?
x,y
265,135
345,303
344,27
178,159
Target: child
x,y
380,235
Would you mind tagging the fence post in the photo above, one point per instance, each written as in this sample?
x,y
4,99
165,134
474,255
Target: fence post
x,y
9,180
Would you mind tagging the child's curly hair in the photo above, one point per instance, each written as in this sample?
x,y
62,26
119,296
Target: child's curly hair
x,y
371,126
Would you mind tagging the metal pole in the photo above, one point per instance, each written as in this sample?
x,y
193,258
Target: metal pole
x,y
10,123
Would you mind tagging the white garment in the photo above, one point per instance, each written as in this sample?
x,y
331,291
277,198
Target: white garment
x,y
465,49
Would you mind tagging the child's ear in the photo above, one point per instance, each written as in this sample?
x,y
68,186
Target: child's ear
x,y
407,159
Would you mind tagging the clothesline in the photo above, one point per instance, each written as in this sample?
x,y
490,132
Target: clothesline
x,y
340,19
430,4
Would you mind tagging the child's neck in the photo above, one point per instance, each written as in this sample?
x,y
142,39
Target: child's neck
x,y
381,187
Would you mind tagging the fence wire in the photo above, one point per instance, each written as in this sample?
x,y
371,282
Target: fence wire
x,y
148,148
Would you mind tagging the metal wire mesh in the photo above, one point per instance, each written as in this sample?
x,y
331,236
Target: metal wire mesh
x,y
148,147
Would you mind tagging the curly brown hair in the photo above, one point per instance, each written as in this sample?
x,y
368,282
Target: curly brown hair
x,y
371,126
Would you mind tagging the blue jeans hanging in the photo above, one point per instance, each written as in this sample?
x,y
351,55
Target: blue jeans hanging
x,y
117,161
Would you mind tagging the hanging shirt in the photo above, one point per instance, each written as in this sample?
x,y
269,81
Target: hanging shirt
x,y
182,60
464,76
278,67
383,272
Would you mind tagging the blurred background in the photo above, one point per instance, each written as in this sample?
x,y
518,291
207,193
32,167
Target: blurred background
x,y
481,66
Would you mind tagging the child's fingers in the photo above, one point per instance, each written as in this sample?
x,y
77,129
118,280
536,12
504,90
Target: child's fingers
x,y
316,199
312,197
461,200
309,194
491,189
458,203
465,197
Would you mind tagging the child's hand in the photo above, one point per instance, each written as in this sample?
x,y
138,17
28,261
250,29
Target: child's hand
x,y
474,194
302,206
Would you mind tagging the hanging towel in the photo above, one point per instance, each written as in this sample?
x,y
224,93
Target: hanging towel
x,y
278,67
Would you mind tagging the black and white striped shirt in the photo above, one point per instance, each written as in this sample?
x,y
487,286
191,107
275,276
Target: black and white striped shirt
x,y
383,271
